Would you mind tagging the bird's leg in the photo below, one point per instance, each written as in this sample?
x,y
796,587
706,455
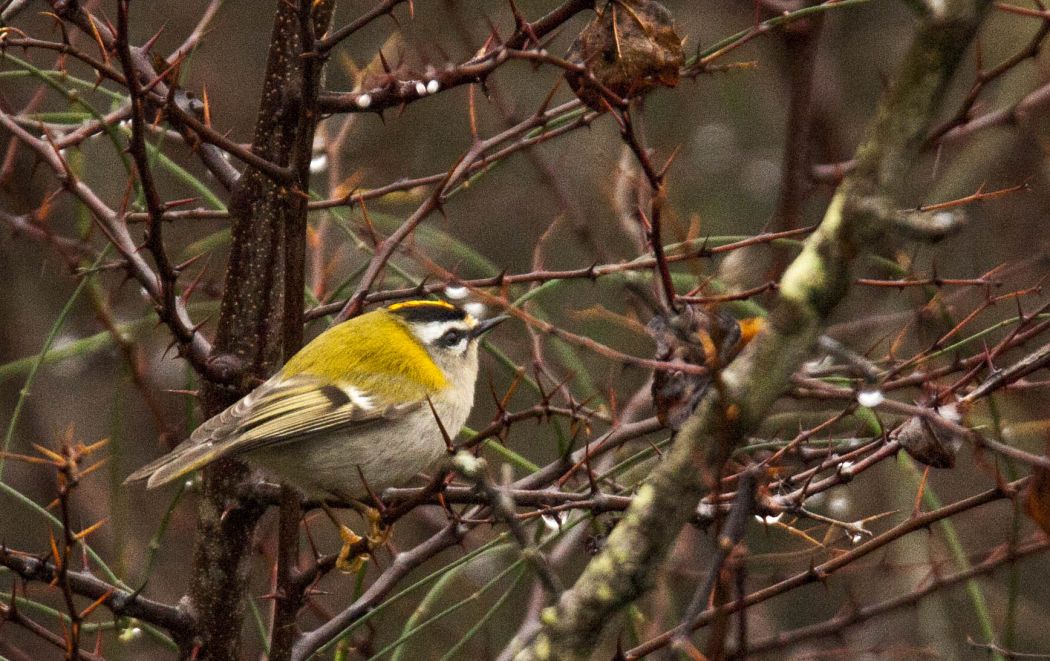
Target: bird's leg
x,y
356,549
378,531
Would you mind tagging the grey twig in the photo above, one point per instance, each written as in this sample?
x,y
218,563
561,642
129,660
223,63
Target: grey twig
x,y
120,602
1036,360
502,503
728,538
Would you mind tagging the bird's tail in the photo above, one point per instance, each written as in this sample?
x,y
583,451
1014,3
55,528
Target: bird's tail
x,y
186,458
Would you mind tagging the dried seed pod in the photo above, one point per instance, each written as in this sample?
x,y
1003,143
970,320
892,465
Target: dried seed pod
x,y
929,443
630,48
692,337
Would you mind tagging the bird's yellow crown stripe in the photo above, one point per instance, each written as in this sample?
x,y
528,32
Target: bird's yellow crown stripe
x,y
419,304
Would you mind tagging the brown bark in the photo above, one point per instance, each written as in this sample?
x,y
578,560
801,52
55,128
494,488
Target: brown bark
x,y
261,314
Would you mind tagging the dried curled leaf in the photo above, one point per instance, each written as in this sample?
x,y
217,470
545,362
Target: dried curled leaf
x,y
1037,496
630,48
691,337
929,443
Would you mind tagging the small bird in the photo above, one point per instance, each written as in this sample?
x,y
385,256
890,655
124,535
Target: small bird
x,y
348,415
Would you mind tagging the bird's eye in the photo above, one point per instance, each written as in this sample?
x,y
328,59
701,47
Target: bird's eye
x,y
452,337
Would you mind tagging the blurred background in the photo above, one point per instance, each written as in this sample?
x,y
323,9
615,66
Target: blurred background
x,y
558,207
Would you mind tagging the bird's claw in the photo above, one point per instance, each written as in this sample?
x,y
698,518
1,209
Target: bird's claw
x,y
378,531
357,550
355,553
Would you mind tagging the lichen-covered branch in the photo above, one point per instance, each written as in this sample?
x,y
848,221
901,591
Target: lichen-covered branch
x,y
810,288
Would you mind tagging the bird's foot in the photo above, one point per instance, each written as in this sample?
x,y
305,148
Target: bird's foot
x,y
356,551
378,530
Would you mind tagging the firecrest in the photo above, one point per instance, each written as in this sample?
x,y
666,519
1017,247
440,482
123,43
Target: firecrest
x,y
349,414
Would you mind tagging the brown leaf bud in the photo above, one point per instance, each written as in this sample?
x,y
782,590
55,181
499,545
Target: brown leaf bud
x,y
692,337
929,443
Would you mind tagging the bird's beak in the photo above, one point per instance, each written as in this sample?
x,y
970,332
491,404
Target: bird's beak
x,y
485,325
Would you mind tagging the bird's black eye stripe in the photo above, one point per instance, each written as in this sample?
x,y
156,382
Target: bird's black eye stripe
x,y
452,337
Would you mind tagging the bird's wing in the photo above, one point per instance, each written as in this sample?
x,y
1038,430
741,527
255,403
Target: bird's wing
x,y
279,411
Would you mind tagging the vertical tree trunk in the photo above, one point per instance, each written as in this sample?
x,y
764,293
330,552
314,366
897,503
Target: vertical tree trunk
x,y
261,315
